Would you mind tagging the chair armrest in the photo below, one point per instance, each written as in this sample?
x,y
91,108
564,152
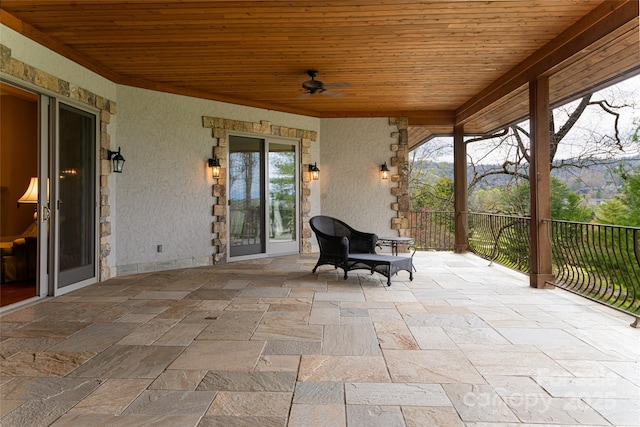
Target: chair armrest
x,y
362,242
333,245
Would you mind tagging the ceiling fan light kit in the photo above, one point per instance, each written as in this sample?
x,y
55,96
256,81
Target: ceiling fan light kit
x,y
313,85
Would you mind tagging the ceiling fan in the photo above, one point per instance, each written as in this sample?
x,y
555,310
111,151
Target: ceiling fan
x,y
314,86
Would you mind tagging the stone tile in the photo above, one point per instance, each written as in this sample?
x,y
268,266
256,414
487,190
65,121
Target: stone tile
x,y
431,416
432,338
610,388
319,393
171,402
350,340
374,416
232,325
43,364
181,335
37,413
515,386
325,316
212,294
148,333
112,397
219,355
248,381
431,366
247,404
389,295
165,295
285,318
124,361
539,336
175,379
269,292
479,403
136,317
48,389
565,411
232,421
306,415
11,346
343,369
293,347
385,315
395,394
627,370
454,320
354,312
46,329
512,360
288,332
475,336
339,296
619,412
7,406
278,363
395,335
103,420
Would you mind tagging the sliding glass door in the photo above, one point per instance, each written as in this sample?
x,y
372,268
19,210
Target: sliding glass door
x,y
76,203
263,201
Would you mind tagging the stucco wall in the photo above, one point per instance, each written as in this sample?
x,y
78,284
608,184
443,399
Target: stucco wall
x,y
30,52
164,195
351,153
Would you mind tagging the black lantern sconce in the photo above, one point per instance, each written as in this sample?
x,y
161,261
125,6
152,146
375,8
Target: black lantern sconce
x,y
117,159
314,171
214,164
384,171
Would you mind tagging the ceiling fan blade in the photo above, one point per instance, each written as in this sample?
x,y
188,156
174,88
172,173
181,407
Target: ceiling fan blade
x,y
337,85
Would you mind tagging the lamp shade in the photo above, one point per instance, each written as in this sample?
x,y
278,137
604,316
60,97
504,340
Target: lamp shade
x,y
31,195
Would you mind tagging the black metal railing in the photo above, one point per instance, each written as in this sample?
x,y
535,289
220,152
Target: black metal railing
x,y
600,262
432,230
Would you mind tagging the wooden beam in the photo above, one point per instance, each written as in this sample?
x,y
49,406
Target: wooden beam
x,y
541,274
460,193
604,19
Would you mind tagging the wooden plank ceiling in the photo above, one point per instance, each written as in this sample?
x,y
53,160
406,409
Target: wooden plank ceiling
x,y
435,62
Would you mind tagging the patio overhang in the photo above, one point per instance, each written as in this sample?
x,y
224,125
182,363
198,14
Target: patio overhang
x,y
440,64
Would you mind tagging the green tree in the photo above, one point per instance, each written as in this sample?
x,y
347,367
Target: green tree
x,y
625,208
437,196
565,203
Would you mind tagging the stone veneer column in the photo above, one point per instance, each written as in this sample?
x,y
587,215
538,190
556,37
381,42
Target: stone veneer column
x,y
65,89
220,128
401,179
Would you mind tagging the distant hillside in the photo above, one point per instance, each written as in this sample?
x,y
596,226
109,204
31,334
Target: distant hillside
x,y
594,182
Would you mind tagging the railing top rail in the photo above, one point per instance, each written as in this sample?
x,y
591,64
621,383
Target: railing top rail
x,y
596,224
499,215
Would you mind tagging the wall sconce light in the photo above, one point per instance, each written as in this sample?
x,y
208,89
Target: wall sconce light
x,y
384,171
215,165
314,171
118,160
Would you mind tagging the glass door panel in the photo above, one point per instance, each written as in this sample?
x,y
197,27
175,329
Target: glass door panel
x,y
76,213
246,196
283,228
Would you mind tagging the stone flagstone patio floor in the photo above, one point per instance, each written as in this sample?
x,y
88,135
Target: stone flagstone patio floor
x,y
268,343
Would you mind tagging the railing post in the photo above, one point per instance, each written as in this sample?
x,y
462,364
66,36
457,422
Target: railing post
x,y
541,272
460,190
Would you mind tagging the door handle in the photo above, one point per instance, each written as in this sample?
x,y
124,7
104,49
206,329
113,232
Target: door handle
x,y
45,214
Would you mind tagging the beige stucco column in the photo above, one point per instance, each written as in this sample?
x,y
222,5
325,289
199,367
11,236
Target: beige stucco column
x,y
460,194
541,273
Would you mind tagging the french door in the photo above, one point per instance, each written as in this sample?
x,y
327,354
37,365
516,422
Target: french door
x,y
263,197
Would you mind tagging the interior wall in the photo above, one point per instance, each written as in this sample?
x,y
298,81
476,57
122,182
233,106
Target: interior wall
x,y
165,192
351,154
18,162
